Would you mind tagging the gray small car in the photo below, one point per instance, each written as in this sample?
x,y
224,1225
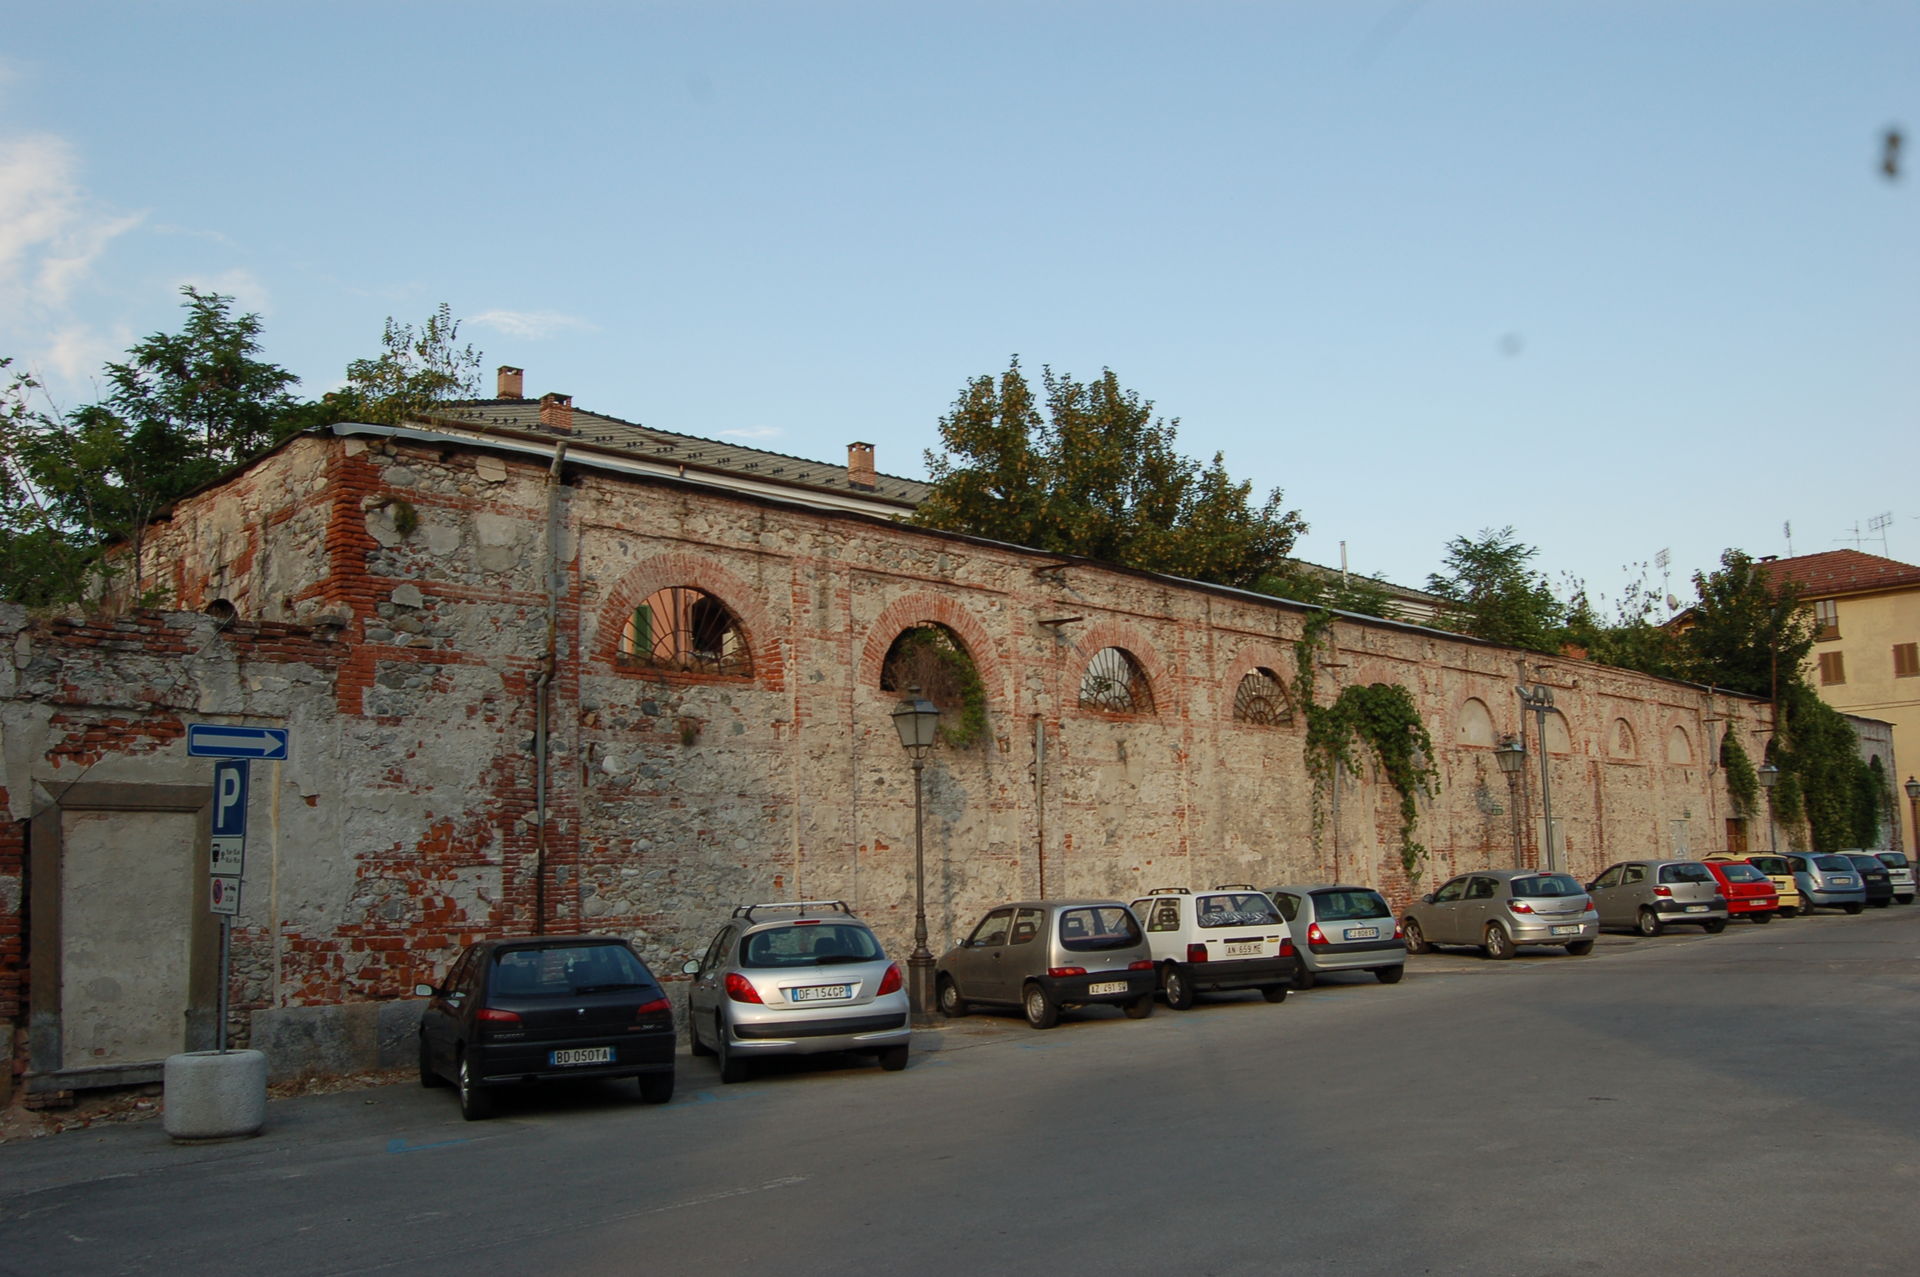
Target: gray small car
x,y
798,977
1049,956
1500,909
1339,927
1828,881
1649,896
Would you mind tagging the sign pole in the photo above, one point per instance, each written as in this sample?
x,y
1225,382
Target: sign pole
x,y
226,951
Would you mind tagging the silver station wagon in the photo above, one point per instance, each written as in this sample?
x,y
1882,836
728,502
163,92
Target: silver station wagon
x,y
799,977
1340,927
1049,956
1499,909
1651,895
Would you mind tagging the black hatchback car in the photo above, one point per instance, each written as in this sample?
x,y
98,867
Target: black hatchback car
x,y
1873,876
542,1008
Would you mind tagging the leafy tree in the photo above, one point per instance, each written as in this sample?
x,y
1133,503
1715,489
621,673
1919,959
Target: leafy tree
x,y
1097,476
1633,639
1747,632
414,372
1835,789
1321,588
1492,594
40,561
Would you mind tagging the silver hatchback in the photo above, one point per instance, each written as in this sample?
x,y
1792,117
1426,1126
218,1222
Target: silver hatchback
x,y
1649,896
1499,909
1341,928
799,977
1049,956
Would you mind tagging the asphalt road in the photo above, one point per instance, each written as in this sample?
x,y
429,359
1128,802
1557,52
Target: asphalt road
x,y
1742,1103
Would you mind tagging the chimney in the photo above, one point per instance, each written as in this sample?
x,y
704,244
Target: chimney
x,y
508,383
860,472
556,413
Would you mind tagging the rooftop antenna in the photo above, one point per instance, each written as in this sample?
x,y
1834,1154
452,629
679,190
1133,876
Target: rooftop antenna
x,y
1878,523
1857,537
1786,530
1661,560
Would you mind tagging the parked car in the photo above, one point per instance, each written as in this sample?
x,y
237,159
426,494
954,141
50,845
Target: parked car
x,y
796,977
1652,895
1049,956
541,1008
1216,941
1749,893
1778,872
1900,870
1827,881
1339,927
1500,909
1873,876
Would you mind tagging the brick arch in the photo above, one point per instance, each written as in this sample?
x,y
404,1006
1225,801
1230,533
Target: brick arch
x,y
741,598
1259,654
1105,634
910,610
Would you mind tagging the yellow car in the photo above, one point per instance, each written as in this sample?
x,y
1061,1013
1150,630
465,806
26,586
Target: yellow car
x,y
1779,871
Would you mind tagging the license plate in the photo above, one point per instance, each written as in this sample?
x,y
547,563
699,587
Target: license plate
x,y
1696,909
817,993
582,1055
1843,882
1363,933
1107,986
1566,931
1244,949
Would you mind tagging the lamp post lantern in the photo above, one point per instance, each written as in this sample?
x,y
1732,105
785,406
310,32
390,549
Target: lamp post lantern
x,y
1511,755
1913,799
1769,777
917,719
1538,697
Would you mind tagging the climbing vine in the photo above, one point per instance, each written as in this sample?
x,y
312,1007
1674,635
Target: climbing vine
x,y
1823,780
1382,715
930,658
1743,783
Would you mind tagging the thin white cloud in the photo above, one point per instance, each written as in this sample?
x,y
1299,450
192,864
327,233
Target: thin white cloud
x,y
534,325
50,233
753,432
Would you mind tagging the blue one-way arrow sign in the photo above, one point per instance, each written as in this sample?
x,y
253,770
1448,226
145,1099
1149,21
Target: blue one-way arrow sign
x,y
213,740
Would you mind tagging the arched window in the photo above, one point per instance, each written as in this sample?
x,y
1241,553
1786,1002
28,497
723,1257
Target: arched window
x,y
1115,682
1262,698
683,628
1476,723
1679,747
932,658
1624,745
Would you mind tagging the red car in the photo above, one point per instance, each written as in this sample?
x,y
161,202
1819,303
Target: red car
x,y
1749,893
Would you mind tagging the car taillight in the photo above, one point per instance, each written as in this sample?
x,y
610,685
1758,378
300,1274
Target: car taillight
x,y
1586,904
1145,964
741,989
1196,953
1519,906
890,982
1315,935
659,1006
1287,950
1663,891
1061,973
1398,934
493,1015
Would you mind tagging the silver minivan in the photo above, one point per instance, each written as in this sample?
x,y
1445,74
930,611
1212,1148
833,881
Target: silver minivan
x,y
1649,896
1340,927
1049,956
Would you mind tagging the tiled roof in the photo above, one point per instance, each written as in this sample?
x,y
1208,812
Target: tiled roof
x,y
1843,572
675,449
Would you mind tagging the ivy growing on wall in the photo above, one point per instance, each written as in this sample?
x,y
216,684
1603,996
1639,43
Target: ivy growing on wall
x,y
1383,716
1823,780
1743,783
930,658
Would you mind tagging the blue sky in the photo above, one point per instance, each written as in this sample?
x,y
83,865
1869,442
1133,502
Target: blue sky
x,y
1624,276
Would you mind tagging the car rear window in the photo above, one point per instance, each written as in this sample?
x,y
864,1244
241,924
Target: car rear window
x,y
566,970
1833,864
1234,909
1742,873
1090,928
808,944
1770,864
1349,906
1547,885
1685,873
1894,859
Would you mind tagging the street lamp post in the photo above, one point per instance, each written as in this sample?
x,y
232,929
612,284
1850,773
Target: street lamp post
x,y
917,719
1769,777
1538,697
1512,757
1913,799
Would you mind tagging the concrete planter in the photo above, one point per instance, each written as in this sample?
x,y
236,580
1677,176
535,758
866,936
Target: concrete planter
x,y
215,1096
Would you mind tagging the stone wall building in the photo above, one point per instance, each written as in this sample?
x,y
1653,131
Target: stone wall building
x,y
532,684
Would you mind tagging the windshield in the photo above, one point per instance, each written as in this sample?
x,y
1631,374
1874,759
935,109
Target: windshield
x,y
809,944
567,970
1234,909
1547,885
1348,906
1094,927
1833,864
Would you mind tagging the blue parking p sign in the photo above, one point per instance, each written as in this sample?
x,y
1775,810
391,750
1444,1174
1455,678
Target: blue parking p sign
x,y
230,798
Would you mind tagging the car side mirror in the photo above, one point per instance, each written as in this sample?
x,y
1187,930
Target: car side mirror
x,y
1428,898
424,990
690,967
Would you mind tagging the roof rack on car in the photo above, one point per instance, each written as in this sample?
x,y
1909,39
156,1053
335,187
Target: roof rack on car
x,y
1169,891
1235,886
798,906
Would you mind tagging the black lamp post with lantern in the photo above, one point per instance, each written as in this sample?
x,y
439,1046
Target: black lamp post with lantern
x,y
917,719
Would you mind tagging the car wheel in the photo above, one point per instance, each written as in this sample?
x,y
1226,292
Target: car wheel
x,y
1853,907
656,1088
1765,915
694,1044
475,1104
732,1067
1789,913
1580,948
893,1058
1173,982
1141,1007
952,1005
1714,926
1882,904
1275,992
1416,939
1389,975
1304,977
1649,924
1041,1011
1905,900
427,1076
1499,944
